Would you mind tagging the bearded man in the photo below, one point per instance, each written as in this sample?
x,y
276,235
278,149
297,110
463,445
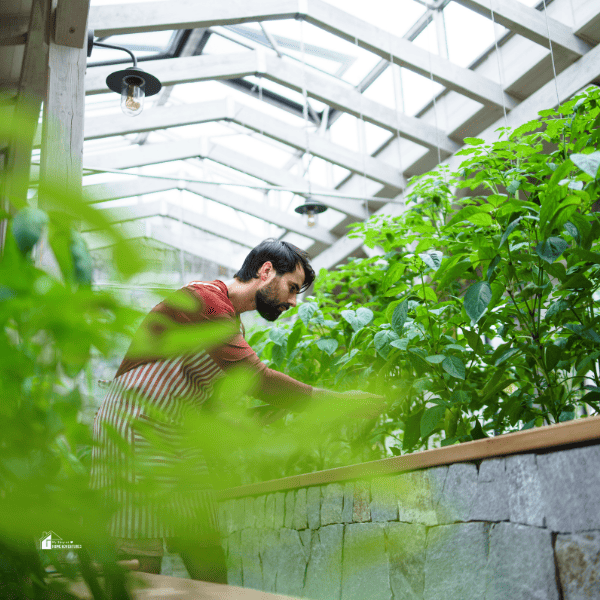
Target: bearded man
x,y
151,381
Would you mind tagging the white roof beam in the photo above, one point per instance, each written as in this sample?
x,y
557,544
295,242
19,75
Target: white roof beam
x,y
189,217
530,24
286,73
165,236
186,14
138,156
115,190
261,211
102,192
161,118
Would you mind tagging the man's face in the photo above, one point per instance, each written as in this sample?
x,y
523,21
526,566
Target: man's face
x,y
278,293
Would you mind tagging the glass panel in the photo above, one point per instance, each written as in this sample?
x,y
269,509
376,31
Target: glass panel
x,y
464,24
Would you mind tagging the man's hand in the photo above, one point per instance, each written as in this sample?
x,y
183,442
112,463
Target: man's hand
x,y
354,403
364,405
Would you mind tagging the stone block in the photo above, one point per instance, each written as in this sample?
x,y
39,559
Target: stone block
x,y
332,504
313,506
348,508
416,496
521,563
324,571
491,497
365,571
458,494
270,511
226,517
249,512
251,568
570,483
384,499
290,500
292,563
578,560
300,511
279,517
406,550
259,511
237,513
361,506
525,502
455,561
234,559
269,558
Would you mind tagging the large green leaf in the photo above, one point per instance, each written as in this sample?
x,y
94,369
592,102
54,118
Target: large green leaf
x,y
306,311
328,345
278,336
588,163
454,366
435,359
482,219
399,317
511,227
431,418
412,430
432,259
477,299
549,250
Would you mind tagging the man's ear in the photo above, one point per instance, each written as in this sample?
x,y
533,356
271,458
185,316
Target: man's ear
x,y
265,270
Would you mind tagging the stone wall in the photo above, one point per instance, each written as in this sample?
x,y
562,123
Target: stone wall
x,y
521,527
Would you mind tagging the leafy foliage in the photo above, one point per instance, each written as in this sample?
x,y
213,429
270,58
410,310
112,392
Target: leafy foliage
x,y
479,314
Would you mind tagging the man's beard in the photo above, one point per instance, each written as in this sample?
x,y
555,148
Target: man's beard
x,y
266,303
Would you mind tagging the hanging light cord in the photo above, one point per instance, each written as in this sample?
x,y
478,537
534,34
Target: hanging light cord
x,y
551,53
118,48
499,60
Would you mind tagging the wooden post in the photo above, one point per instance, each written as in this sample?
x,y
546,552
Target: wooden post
x,y
62,129
31,91
62,126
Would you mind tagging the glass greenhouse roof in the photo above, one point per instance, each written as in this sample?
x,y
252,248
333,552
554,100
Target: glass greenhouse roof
x,y
441,27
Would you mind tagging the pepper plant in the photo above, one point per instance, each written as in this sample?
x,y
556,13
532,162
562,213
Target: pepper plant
x,y
479,315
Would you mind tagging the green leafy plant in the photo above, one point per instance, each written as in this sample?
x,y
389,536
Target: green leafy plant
x,y
479,314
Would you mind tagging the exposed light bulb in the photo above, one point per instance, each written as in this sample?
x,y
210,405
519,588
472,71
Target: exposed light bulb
x,y
311,218
132,95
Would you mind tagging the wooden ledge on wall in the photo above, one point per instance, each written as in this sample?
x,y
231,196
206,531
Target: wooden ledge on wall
x,y
542,439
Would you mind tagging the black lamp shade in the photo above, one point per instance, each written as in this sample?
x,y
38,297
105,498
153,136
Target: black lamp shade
x,y
311,205
151,84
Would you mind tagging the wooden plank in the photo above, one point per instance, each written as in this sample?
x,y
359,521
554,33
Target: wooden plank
x,y
146,586
70,23
129,18
541,439
31,92
13,29
530,23
62,132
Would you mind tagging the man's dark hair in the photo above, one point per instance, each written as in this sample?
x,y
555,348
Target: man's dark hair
x,y
284,257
